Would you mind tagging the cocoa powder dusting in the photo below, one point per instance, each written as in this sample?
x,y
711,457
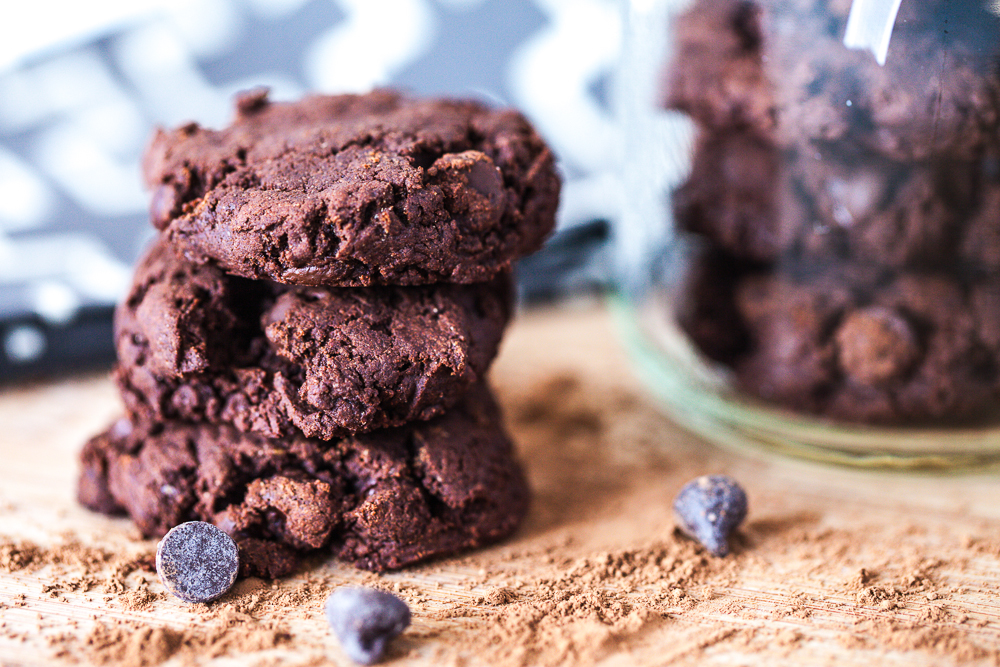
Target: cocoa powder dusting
x,y
598,573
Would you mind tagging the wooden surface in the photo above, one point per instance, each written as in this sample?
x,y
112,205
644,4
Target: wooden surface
x,y
605,466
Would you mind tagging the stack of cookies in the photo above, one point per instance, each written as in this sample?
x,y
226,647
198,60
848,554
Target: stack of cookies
x,y
303,350
850,211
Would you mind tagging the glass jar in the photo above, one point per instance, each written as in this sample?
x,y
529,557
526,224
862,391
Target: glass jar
x,y
810,230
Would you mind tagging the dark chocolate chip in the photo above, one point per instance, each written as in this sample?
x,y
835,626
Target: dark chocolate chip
x,y
365,620
197,562
486,179
710,507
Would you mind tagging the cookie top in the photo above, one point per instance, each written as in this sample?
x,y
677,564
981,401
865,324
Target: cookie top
x,y
380,500
781,70
356,190
198,344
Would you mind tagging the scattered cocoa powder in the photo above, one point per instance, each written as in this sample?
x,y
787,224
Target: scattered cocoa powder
x,y
137,644
140,598
15,556
71,566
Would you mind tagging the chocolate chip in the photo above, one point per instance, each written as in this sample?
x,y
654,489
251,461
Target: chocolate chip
x,y
876,345
164,205
365,620
486,179
710,507
197,562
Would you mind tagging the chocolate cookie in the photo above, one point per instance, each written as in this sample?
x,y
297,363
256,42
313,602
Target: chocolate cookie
x,y
356,190
761,203
874,210
197,344
705,305
780,70
381,500
741,197
717,73
980,243
858,344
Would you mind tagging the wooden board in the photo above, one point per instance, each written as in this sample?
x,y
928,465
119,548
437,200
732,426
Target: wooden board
x,y
833,566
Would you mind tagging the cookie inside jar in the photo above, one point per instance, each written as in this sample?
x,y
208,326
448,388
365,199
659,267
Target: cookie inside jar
x,y
844,210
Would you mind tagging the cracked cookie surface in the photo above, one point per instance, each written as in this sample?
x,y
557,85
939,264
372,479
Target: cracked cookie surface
x,y
197,344
379,500
356,190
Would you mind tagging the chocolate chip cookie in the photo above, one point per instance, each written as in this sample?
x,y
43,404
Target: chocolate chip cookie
x,y
780,70
381,500
865,345
197,344
356,190
761,203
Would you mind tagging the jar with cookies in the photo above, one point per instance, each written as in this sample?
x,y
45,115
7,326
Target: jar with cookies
x,y
811,224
